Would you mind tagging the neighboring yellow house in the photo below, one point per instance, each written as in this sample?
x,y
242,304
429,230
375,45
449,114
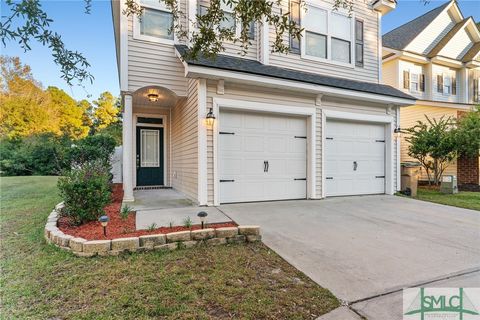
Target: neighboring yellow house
x,y
436,58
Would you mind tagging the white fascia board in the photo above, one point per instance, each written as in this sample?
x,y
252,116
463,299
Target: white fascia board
x,y
240,77
447,62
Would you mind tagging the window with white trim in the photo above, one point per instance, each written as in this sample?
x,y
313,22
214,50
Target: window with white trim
x,y
229,22
328,35
414,82
156,22
316,29
447,84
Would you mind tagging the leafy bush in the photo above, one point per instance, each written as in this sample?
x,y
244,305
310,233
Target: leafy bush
x,y
48,154
85,190
41,154
98,147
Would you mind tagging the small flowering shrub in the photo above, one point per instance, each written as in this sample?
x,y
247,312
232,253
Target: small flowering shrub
x,y
85,190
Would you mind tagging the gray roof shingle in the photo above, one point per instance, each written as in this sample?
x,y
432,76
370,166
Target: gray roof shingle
x,y
254,67
400,37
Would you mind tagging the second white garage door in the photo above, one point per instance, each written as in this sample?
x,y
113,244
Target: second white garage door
x,y
354,158
261,157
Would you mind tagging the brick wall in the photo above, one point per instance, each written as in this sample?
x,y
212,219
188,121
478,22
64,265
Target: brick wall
x,y
468,170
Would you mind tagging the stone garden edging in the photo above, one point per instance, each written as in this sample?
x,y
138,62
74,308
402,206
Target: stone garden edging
x,y
170,241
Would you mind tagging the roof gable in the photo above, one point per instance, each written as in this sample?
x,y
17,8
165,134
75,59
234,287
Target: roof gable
x,y
402,36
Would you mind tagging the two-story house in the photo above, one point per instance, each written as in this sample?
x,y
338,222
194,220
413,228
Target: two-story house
x,y
310,124
436,58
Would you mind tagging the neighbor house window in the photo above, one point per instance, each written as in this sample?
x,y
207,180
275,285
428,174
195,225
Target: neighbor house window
x,y
476,89
315,25
156,21
422,82
414,83
447,85
294,15
439,83
359,43
406,79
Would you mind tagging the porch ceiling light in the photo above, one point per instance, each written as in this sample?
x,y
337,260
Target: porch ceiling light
x,y
104,221
202,215
153,97
210,117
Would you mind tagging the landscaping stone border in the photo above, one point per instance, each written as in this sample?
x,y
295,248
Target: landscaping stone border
x,y
170,241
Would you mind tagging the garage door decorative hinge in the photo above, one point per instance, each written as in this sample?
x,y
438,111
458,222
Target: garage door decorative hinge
x,y
227,180
297,179
329,178
300,137
223,132
379,140
329,138
379,177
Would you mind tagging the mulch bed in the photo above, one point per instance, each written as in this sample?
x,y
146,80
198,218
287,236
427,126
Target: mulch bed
x,y
118,227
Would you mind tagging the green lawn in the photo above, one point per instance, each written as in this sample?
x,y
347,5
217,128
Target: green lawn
x,y
39,281
463,199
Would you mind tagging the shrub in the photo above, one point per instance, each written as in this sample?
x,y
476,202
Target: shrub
x,y
41,154
98,147
85,190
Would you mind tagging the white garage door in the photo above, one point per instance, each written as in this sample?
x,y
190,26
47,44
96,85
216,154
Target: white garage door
x,y
261,157
355,158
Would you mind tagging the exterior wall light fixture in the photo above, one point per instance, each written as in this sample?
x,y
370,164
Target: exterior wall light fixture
x,y
210,117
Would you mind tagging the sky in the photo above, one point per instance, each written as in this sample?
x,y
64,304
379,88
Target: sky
x,y
92,34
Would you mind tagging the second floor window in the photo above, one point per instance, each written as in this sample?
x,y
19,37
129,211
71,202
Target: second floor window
x,y
415,82
294,15
446,84
316,32
156,21
476,89
229,21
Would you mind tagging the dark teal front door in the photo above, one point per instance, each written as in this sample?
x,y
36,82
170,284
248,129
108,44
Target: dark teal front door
x,y
149,156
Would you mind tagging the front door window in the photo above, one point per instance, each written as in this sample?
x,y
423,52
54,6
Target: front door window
x,y
150,143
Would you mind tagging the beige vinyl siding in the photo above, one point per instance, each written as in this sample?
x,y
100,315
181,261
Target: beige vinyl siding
x,y
184,141
370,70
151,63
438,96
413,68
458,45
390,73
408,118
148,111
235,49
432,34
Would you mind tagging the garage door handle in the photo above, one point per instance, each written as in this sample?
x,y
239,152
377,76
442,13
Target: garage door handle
x,y
264,166
355,165
268,166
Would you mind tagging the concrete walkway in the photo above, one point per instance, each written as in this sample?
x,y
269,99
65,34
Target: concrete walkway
x,y
361,247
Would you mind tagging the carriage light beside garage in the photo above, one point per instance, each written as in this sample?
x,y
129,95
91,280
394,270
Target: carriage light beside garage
x,y
210,118
104,221
397,132
202,215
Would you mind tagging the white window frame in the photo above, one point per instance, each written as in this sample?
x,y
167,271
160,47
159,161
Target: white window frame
x,y
329,37
136,25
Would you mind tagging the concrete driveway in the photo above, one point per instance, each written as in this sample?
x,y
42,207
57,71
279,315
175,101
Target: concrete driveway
x,y
363,247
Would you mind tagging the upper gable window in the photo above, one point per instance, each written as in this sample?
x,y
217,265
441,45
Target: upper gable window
x,y
328,36
155,24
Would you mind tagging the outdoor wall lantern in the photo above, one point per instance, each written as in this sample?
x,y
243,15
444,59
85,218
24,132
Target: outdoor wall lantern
x,y
210,117
397,132
202,215
104,221
153,97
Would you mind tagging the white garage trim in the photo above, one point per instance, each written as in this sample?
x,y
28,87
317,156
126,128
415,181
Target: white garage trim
x,y
389,124
222,103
